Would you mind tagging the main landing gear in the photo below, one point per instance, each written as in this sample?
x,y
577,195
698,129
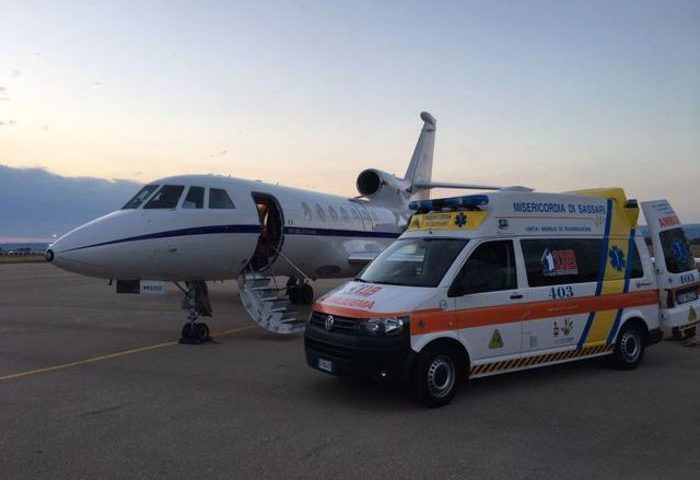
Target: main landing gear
x,y
196,302
299,293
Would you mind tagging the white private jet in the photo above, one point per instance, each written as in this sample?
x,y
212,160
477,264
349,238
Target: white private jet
x,y
198,228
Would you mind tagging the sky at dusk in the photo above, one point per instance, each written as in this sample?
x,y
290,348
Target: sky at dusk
x,y
556,95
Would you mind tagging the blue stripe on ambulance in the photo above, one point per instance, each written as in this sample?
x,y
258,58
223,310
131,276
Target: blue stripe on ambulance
x,y
631,246
601,272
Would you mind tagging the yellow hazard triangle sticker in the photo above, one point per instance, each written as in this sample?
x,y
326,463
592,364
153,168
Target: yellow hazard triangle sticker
x,y
692,314
496,340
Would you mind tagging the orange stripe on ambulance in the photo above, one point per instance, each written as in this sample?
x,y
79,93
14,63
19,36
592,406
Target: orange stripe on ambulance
x,y
485,284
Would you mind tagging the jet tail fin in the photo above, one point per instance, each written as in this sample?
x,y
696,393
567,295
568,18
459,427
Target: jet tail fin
x,y
420,169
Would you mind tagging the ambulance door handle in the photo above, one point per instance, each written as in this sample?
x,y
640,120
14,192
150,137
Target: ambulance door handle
x,y
516,296
643,284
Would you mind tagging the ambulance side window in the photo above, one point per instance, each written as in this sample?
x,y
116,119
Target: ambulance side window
x,y
636,269
490,268
556,261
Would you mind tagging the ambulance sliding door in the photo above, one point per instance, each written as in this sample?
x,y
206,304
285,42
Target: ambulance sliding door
x,y
483,291
559,270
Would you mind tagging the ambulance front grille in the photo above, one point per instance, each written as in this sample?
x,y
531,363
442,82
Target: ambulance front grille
x,y
340,324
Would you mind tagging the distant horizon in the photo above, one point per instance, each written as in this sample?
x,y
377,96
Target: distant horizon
x,y
41,206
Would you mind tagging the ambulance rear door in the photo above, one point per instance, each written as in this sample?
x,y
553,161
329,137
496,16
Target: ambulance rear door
x,y
677,276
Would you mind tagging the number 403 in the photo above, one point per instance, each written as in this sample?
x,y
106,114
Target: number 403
x,y
561,292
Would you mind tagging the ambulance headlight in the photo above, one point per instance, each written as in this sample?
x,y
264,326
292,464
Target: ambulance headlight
x,y
385,326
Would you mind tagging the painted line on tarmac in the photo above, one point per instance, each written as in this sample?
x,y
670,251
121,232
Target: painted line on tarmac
x,y
113,355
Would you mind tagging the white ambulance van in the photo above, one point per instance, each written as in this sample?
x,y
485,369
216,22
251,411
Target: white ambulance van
x,y
485,284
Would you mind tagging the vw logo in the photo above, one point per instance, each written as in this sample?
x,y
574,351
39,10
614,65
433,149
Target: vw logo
x,y
330,321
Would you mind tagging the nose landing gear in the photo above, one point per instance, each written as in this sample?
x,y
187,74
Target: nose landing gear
x,y
196,302
300,293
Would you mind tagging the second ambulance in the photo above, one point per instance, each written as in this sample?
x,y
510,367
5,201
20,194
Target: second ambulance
x,y
486,284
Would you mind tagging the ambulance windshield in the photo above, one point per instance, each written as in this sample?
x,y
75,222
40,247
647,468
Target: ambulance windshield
x,y
416,262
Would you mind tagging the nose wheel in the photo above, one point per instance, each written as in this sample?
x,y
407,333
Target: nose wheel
x,y
195,332
299,293
196,303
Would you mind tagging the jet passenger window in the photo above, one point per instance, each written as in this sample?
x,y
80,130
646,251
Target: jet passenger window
x,y
140,197
320,213
218,198
333,214
194,198
344,215
166,197
307,210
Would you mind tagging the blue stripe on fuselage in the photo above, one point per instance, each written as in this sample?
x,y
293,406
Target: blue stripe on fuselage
x,y
331,232
214,229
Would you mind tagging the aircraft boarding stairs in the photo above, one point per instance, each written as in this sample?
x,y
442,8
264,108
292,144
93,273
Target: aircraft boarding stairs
x,y
267,302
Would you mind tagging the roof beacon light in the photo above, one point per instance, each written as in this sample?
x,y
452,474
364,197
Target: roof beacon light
x,y
465,201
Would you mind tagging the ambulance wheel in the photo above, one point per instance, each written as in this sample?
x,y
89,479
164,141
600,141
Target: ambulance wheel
x,y
629,347
437,375
307,294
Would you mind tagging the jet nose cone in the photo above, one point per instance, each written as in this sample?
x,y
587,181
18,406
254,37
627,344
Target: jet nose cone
x,y
66,253
56,255
90,249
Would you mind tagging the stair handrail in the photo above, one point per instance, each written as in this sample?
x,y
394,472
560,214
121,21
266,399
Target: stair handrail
x,y
294,267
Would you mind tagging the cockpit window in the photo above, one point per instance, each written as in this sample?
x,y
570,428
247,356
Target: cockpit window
x,y
218,198
166,197
194,198
140,197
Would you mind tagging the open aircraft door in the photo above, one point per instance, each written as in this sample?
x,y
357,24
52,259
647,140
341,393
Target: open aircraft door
x,y
677,276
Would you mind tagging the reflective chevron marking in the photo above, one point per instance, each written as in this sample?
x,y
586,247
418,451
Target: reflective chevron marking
x,y
539,359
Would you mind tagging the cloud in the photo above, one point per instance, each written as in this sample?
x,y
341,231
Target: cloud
x,y
37,203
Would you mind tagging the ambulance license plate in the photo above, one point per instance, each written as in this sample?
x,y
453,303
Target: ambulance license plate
x,y
325,365
686,297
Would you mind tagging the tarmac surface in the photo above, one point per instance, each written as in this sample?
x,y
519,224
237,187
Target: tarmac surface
x,y
94,386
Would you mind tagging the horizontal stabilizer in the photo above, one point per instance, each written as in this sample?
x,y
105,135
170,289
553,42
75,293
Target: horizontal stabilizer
x,y
472,186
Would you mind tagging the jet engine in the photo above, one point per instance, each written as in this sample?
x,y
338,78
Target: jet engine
x,y
383,187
